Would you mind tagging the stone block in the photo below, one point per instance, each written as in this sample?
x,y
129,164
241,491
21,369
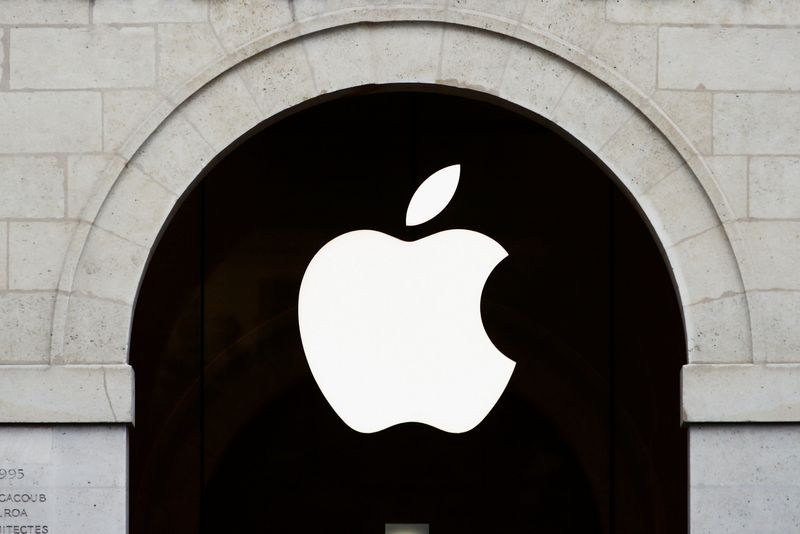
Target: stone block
x,y
773,254
535,79
678,207
508,9
578,22
31,187
29,444
222,111
590,112
751,455
96,453
91,509
744,510
775,187
705,267
3,255
45,12
110,267
74,254
719,393
97,331
691,111
340,59
632,52
406,52
64,121
279,78
775,316
123,112
144,11
66,394
757,123
25,323
3,58
312,9
474,58
753,59
174,155
184,50
756,12
66,457
84,175
136,207
79,58
639,154
240,21
730,173
718,331
36,253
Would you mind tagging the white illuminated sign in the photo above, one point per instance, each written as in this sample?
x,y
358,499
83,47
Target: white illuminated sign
x,y
392,329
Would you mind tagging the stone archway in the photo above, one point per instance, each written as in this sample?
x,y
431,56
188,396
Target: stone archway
x,y
342,163
623,129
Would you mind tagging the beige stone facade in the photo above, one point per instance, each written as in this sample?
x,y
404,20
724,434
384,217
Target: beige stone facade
x,y
110,110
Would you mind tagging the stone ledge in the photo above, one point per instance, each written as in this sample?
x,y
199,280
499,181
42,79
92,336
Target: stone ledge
x,y
66,394
711,393
739,393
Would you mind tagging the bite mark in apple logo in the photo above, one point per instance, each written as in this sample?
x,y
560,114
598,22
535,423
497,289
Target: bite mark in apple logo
x,y
392,329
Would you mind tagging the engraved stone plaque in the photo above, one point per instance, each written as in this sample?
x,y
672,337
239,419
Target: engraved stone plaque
x,y
63,479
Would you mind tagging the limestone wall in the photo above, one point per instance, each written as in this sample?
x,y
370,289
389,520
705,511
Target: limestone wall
x,y
109,110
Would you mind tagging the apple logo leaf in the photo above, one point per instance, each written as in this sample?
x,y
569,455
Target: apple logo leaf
x,y
433,195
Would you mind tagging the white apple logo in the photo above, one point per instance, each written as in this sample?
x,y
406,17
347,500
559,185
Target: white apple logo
x,y
392,329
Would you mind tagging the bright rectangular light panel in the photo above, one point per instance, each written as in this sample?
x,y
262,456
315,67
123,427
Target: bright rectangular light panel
x,y
398,528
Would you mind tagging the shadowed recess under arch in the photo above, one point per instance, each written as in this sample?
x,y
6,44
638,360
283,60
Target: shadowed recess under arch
x,y
232,431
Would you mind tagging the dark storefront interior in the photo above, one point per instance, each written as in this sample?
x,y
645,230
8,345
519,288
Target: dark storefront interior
x,y
233,434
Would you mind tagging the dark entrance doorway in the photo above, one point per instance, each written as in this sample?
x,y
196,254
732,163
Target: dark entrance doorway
x,y
233,433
